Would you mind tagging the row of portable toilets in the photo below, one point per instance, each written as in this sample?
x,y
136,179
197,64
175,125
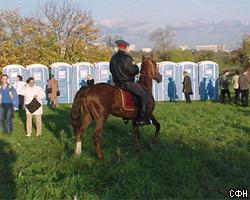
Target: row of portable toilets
x,y
204,77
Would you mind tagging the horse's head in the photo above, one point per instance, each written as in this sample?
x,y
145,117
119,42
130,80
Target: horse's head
x,y
149,69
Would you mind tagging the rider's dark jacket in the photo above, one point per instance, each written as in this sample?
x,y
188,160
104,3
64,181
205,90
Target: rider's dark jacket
x,y
122,68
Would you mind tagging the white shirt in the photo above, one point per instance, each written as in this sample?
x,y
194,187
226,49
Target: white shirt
x,y
235,81
29,94
20,87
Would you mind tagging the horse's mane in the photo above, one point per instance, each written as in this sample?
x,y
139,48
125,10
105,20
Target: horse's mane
x,y
145,60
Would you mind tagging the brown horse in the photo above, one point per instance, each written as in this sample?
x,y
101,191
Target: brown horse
x,y
101,100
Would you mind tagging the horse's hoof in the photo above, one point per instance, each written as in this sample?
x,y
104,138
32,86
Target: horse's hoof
x,y
100,158
150,146
77,155
137,149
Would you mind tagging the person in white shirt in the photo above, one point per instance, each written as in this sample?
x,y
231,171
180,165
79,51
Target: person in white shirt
x,y
32,91
20,87
236,86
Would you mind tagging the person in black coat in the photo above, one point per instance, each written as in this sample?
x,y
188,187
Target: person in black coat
x,y
90,80
123,74
244,83
224,84
187,87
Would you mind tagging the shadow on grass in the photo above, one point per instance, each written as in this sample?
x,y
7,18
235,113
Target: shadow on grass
x,y
172,169
58,123
22,116
7,179
243,128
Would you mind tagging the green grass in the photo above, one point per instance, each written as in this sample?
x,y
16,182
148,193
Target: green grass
x,y
203,151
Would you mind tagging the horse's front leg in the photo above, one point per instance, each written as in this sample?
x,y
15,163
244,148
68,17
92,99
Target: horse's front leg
x,y
136,135
157,130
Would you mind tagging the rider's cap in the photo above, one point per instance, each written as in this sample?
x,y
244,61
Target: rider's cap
x,y
121,43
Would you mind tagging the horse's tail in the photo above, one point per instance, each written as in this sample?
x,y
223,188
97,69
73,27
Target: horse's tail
x,y
76,108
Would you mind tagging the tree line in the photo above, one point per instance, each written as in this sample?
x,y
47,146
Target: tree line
x,y
62,31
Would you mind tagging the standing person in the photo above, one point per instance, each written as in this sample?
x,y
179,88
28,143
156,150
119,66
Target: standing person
x,y
8,103
236,86
244,88
53,91
224,83
90,80
20,87
32,91
187,87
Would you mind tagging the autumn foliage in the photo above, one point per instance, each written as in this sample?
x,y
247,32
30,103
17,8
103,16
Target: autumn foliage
x,y
62,32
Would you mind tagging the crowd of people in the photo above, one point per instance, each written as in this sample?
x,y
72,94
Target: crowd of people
x,y
241,85
26,95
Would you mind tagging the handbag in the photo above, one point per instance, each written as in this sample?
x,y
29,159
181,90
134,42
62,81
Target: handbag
x,y
191,93
58,93
33,105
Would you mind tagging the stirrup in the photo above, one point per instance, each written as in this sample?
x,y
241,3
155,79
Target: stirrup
x,y
144,122
125,120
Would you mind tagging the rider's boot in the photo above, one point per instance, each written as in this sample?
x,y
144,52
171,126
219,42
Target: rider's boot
x,y
142,120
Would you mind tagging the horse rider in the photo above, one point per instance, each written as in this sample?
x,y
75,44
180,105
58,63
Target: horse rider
x,y
123,73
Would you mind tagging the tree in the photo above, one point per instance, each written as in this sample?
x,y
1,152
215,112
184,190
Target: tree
x,y
62,33
109,40
24,40
162,39
242,55
70,25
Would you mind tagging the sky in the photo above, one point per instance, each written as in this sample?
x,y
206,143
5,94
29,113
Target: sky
x,y
193,22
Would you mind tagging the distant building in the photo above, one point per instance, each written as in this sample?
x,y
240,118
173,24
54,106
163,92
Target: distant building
x,y
100,45
183,47
132,47
211,47
146,50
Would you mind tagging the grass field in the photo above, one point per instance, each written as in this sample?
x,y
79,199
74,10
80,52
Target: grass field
x,y
203,151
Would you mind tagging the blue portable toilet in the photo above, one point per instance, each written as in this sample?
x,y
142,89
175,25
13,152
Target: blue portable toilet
x,y
13,70
80,72
63,74
101,72
208,80
192,69
167,89
40,73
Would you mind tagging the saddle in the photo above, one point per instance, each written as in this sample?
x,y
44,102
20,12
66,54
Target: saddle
x,y
129,101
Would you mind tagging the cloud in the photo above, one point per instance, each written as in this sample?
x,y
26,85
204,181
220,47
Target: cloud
x,y
191,33
227,32
118,22
134,31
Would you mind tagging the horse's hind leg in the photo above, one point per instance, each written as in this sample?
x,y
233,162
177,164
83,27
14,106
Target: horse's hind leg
x,y
136,135
97,137
157,129
85,123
